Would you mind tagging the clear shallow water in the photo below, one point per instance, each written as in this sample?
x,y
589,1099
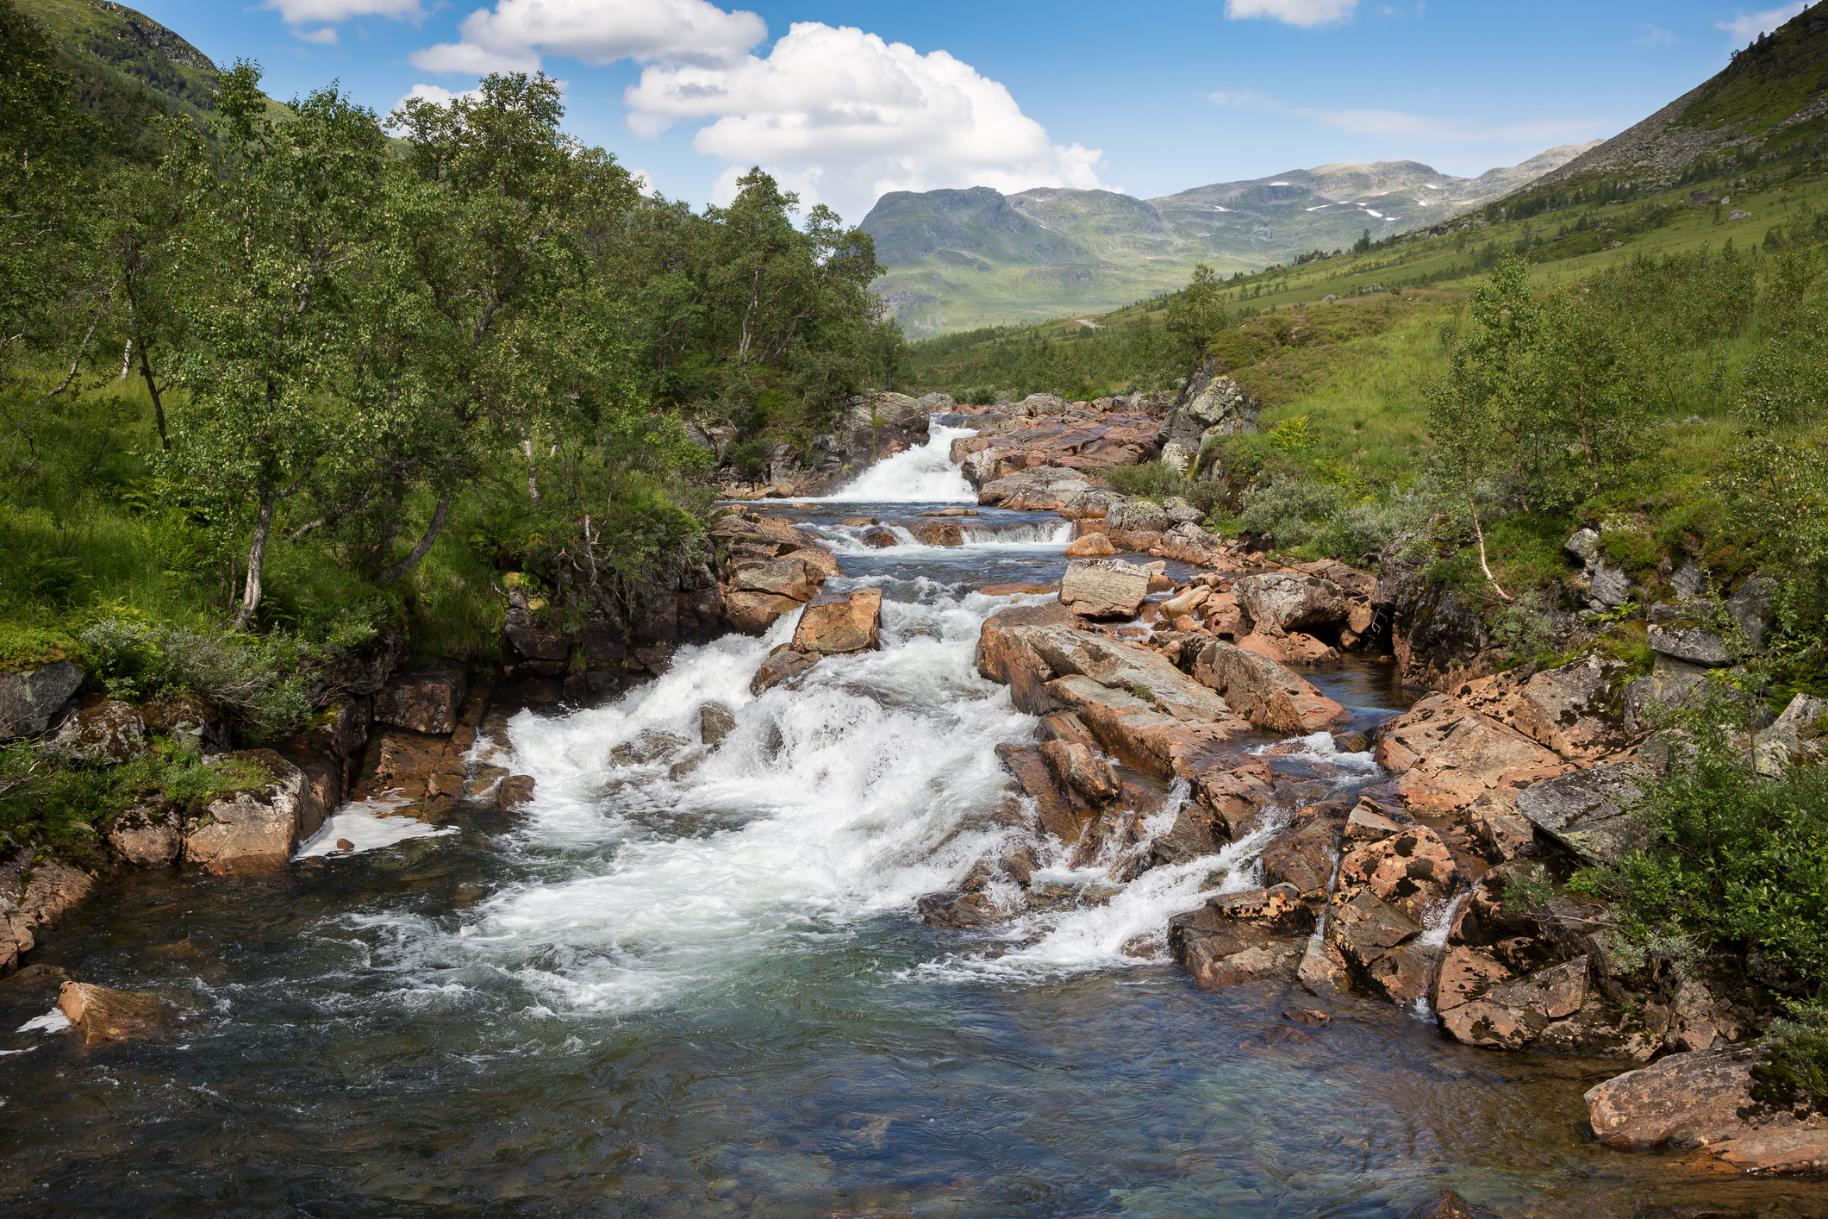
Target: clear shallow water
x,y
705,993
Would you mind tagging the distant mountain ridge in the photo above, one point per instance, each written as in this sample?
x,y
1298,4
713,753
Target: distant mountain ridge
x,y
961,258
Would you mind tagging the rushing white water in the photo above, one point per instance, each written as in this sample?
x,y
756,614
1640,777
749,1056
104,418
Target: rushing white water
x,y
921,475
848,539
665,865
366,826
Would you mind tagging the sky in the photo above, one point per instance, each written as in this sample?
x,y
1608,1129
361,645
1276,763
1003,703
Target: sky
x,y
844,101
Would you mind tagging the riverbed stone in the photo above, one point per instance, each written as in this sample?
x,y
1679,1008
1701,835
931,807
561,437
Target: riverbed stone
x,y
853,624
1104,588
103,1013
784,664
1412,869
1282,601
1263,691
251,830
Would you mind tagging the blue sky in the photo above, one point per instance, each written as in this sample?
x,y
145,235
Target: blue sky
x,y
843,101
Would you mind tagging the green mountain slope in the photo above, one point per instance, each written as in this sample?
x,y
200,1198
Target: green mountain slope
x,y
959,258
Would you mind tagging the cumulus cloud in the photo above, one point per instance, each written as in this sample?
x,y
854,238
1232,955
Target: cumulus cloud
x,y
843,116
1744,27
325,36
512,35
436,94
1295,12
1414,128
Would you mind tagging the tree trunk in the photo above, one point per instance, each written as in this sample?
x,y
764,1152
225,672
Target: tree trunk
x,y
1483,565
257,554
533,478
126,360
432,529
152,391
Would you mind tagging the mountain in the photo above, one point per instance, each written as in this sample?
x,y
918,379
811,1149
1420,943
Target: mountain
x,y
1770,102
961,258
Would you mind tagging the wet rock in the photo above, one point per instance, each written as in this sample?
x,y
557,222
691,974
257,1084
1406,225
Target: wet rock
x,y
784,664
31,700
1091,546
102,1014
423,701
1278,908
1303,854
33,895
106,730
1220,952
879,538
1411,870
1104,588
753,612
1374,939
1703,1101
938,533
853,624
1054,804
956,909
715,722
1263,691
1589,811
1448,756
514,793
146,838
1282,601
1083,769
343,844
250,830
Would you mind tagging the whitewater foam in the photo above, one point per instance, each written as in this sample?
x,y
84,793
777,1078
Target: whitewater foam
x,y
920,475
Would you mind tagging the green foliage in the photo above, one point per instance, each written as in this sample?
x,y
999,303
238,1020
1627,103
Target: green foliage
x,y
1736,862
1195,315
1792,1071
255,679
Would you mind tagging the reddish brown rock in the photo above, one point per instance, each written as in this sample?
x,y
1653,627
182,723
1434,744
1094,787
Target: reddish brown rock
x,y
1703,1101
102,1013
853,624
1572,710
1411,870
1263,691
146,838
784,664
254,829
514,792
423,701
1091,546
1449,756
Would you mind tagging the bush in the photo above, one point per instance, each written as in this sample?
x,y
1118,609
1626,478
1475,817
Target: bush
x,y
1794,1068
1736,861
1156,480
256,679
1290,512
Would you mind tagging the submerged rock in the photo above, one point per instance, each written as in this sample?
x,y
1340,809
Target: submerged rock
x,y
102,1013
784,664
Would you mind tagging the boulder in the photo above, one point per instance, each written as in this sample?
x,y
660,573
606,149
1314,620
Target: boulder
x,y
1689,632
31,700
784,664
1798,737
939,533
1137,515
250,830
1091,546
146,839
1104,588
1263,691
1703,1101
514,792
1448,756
423,701
1220,951
753,612
1374,939
715,722
106,730
1589,811
853,624
1572,709
102,1013
1411,870
1605,583
1282,601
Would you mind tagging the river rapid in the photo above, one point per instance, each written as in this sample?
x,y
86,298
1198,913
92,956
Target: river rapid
x,y
690,980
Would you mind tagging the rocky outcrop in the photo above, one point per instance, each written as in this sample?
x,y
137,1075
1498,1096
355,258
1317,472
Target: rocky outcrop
x,y
426,700
1604,583
850,624
1047,489
1797,737
1575,710
1448,756
1082,437
1279,602
1104,588
252,830
1264,692
1210,406
1703,1102
782,666
767,568
34,894
1590,812
32,700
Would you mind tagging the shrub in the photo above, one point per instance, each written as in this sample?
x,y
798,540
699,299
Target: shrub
x,y
1289,512
256,679
1155,480
1794,1068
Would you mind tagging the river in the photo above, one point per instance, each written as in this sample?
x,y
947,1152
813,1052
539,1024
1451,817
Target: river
x,y
690,981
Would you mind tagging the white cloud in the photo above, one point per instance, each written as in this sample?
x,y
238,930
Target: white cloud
x,y
513,34
324,36
328,12
1295,12
842,116
436,94
1744,27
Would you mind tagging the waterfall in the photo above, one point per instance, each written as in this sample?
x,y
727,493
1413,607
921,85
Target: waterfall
x,y
920,475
